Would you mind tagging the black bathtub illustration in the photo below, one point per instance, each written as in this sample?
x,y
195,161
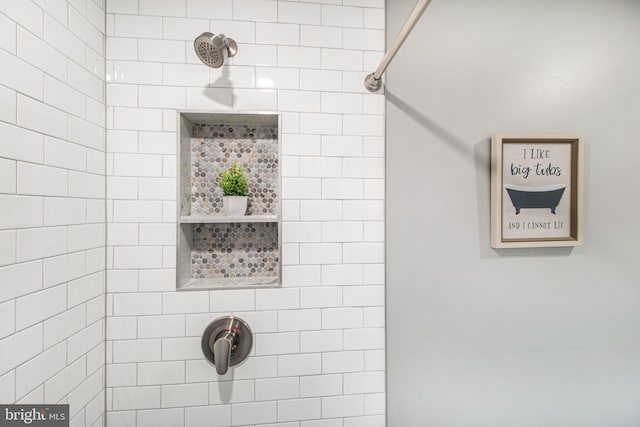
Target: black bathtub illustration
x,y
535,198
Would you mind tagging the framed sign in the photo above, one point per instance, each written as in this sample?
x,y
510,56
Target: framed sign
x,y
536,191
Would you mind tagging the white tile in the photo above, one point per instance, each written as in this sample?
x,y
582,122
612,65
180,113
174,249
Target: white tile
x,y
121,328
20,211
342,274
302,57
85,133
7,387
64,154
222,392
131,72
320,297
189,348
271,33
7,247
320,385
137,118
299,13
363,125
342,318
320,167
122,6
161,50
233,300
122,48
301,275
208,416
219,99
367,210
122,95
254,413
184,302
184,395
66,380
374,317
85,81
7,41
317,36
342,231
301,145
364,339
348,103
41,242
7,176
278,343
255,99
343,59
80,344
161,326
41,180
136,398
298,409
374,189
21,144
320,124
203,9
137,304
320,210
63,268
41,305
299,320
157,280
157,142
122,187
137,165
277,78
138,26
301,232
160,417
136,351
364,253
277,388
374,404
82,237
64,40
342,188
255,10
301,188
7,104
320,341
185,75
242,31
156,188
86,288
298,101
320,253
183,29
87,32
158,373
342,16
374,360
35,51
86,185
299,364
20,347
7,318
233,77
41,118
277,299
364,39
342,361
342,406
364,382
162,7
20,75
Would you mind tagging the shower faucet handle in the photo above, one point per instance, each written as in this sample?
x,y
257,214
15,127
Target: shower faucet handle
x,y
226,342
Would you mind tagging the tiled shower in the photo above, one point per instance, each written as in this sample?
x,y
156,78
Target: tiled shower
x,y
90,94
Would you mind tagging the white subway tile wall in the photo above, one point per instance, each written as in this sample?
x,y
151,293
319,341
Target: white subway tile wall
x,y
318,356
52,205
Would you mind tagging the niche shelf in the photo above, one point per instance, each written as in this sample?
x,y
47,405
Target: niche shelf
x,y
216,251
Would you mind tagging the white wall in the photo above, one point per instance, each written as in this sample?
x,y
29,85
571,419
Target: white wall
x,y
545,337
52,207
319,353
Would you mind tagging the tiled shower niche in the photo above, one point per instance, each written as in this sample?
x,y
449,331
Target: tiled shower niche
x,y
216,251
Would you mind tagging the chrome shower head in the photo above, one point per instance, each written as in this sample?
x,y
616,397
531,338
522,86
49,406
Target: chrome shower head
x,y
214,49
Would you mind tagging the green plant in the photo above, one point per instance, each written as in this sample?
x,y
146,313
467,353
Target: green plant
x,y
233,182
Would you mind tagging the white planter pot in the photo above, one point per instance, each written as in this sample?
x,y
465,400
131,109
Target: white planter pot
x,y
234,205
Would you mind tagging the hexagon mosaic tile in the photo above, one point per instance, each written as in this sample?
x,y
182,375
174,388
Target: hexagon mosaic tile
x,y
235,250
215,148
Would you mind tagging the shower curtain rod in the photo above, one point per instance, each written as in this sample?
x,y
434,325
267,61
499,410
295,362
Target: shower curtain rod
x,y
373,81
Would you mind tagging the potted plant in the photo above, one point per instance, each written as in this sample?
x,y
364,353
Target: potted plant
x,y
234,191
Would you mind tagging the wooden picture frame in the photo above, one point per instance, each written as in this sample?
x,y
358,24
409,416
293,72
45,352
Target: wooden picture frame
x,y
536,191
